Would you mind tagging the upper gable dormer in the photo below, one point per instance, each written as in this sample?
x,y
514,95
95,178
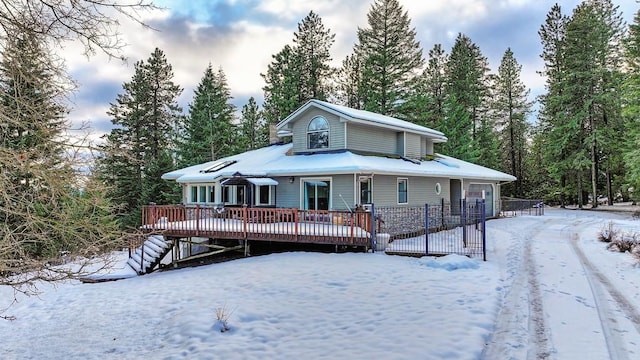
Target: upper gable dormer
x,y
319,126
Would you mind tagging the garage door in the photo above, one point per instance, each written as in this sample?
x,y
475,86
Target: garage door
x,y
475,192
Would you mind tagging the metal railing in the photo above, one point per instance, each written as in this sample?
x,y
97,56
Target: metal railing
x,y
424,230
514,207
434,229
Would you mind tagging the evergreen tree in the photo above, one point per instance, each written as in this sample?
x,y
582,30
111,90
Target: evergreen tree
x,y
467,82
425,103
313,44
391,58
281,91
555,143
455,120
510,106
139,150
349,82
591,89
631,101
435,82
44,212
254,132
209,130
300,72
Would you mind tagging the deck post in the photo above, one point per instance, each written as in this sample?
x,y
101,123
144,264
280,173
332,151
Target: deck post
x,y
245,217
197,220
296,218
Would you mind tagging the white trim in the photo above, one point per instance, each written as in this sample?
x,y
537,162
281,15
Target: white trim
x,y
262,181
208,188
328,130
366,117
316,180
258,192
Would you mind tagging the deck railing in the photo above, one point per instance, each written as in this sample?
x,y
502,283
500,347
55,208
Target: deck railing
x,y
267,224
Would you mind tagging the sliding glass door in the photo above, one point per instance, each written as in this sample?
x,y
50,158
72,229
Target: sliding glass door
x,y
317,194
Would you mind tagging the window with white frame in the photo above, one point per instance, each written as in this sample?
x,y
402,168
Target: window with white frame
x,y
233,194
318,133
365,190
201,194
316,193
403,190
263,194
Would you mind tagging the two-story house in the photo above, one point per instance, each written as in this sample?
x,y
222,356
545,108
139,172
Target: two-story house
x,y
339,157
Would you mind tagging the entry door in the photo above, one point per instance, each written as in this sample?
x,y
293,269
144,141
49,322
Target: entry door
x,y
316,194
364,185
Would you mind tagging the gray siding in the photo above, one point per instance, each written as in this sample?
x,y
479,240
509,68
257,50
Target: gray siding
x,y
413,146
342,185
299,130
421,190
400,143
287,194
371,139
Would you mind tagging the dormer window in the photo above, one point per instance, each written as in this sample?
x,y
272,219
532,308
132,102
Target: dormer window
x,y
318,133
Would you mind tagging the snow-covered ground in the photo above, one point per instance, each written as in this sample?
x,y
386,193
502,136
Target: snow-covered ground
x,y
548,290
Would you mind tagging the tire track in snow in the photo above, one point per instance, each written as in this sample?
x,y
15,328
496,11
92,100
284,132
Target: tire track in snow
x,y
600,287
539,331
521,309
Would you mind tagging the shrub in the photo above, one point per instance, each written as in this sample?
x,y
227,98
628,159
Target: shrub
x,y
222,318
608,233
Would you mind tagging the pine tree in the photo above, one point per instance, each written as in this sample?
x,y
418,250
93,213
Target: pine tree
x,y
139,150
455,120
209,129
435,82
313,44
281,91
391,58
300,72
552,115
254,133
591,88
349,82
631,101
467,82
510,106
47,211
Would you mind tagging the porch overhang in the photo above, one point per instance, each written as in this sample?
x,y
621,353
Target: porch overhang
x,y
241,180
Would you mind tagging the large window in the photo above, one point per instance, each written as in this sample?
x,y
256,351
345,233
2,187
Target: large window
x,y
233,194
317,194
202,194
318,133
403,191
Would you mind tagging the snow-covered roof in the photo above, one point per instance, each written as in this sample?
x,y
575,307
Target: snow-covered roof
x,y
367,117
274,161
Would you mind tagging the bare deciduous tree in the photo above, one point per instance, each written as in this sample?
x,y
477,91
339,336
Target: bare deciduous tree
x,y
51,211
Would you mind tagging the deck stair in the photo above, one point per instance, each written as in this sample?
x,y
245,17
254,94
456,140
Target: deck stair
x,y
148,256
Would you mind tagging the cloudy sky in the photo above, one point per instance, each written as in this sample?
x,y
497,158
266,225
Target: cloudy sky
x,y
240,36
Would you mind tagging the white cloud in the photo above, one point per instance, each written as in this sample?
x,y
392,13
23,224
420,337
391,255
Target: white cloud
x,y
244,48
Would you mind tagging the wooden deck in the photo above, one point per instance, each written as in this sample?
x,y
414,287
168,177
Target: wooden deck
x,y
260,224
